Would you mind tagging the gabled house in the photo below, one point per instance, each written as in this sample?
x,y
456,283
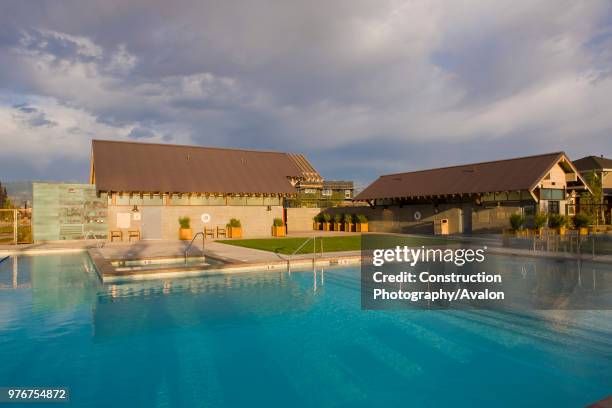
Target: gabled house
x,y
476,197
598,169
149,186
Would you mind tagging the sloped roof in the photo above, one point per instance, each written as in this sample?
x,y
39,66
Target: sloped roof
x,y
593,163
521,173
150,167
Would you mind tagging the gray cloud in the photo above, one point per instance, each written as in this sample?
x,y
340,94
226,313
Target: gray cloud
x,y
361,87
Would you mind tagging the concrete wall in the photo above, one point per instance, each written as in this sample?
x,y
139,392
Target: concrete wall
x,y
402,220
493,219
256,220
300,219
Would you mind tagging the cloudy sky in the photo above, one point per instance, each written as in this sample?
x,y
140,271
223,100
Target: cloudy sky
x,y
361,87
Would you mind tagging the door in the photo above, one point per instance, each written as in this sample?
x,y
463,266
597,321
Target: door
x,y
151,222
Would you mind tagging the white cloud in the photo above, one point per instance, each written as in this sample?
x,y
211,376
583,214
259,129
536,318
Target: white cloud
x,y
314,76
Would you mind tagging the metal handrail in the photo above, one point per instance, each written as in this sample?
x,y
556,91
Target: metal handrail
x,y
99,243
314,250
191,243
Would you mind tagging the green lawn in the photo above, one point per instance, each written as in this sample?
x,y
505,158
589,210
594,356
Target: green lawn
x,y
330,244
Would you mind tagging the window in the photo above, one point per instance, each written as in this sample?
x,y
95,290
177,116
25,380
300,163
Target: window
x,y
180,200
553,207
552,194
488,197
347,193
310,191
326,192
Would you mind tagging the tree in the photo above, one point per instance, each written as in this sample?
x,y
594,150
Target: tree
x,y
594,201
3,196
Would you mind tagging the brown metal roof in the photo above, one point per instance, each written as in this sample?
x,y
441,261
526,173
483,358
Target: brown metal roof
x,y
521,173
593,163
148,167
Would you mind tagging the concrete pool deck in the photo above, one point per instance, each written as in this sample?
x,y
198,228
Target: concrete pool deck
x,y
241,259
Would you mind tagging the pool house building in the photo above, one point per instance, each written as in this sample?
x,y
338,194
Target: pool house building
x,y
149,186
469,198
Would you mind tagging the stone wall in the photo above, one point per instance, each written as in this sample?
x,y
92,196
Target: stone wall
x,y
256,220
300,219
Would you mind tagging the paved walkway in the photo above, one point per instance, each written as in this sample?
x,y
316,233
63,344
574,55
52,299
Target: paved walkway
x,y
236,254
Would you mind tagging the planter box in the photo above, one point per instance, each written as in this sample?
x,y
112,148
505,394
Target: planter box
x,y
316,226
349,227
279,231
362,227
185,234
337,226
326,226
583,231
562,230
234,232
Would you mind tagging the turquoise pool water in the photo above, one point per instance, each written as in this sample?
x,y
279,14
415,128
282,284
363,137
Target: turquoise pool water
x,y
279,339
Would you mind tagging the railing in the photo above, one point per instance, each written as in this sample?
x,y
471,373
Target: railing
x,y
314,251
99,243
570,243
191,243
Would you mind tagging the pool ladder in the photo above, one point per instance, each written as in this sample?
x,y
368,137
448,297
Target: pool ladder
x,y
314,251
191,243
90,234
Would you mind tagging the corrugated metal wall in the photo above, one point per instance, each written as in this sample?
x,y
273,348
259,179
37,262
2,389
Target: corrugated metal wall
x,y
68,211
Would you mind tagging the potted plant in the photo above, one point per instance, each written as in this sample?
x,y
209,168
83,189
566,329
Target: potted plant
x,y
316,223
337,222
582,222
362,223
539,221
234,228
348,222
185,232
558,222
516,222
278,228
326,222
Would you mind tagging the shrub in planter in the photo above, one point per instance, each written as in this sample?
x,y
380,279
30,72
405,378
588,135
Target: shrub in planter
x,y
539,221
185,232
316,223
516,222
582,222
362,223
278,228
558,222
326,222
348,222
234,228
338,222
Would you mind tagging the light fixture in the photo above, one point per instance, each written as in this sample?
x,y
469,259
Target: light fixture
x,y
135,209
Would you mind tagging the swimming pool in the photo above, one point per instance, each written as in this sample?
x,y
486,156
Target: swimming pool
x,y
274,338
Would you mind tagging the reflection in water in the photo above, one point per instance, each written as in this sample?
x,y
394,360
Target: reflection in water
x,y
190,341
